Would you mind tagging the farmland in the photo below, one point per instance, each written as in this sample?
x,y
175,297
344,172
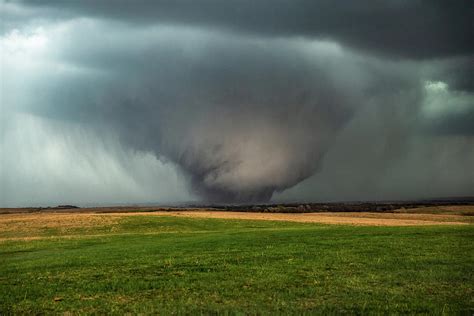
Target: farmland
x,y
189,262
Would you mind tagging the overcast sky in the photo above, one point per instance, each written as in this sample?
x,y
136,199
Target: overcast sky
x,y
238,101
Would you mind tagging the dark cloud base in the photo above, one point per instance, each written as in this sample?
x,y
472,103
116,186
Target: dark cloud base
x,y
396,28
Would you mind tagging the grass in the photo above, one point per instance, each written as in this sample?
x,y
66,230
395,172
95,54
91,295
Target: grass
x,y
151,264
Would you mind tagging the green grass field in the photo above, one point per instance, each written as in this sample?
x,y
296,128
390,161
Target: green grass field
x,y
152,264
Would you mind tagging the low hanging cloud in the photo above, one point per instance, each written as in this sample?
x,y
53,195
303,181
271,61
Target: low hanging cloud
x,y
241,118
242,111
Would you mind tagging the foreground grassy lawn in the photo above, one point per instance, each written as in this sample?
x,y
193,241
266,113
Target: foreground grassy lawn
x,y
151,264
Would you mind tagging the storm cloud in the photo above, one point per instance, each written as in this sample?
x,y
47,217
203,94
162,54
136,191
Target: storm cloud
x,y
403,28
240,101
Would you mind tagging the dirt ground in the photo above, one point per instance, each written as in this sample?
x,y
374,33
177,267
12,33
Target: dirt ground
x,y
31,224
340,218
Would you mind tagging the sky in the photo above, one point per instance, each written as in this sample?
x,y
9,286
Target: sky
x,y
238,101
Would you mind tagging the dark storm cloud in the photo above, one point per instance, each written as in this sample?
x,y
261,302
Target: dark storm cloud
x,y
396,28
250,98
454,124
449,108
456,72
242,118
